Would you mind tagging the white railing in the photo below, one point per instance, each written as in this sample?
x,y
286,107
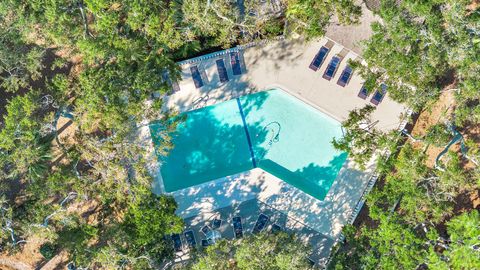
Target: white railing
x,y
226,51
371,183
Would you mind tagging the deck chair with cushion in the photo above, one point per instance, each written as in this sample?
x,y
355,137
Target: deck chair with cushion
x,y
332,68
237,227
379,94
196,76
177,242
261,223
334,64
190,237
319,58
222,71
235,63
345,76
363,94
205,229
216,223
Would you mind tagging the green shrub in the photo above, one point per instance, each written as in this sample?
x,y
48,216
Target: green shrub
x,y
438,135
48,250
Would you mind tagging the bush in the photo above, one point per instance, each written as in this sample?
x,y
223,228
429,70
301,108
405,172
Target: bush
x,y
438,135
48,250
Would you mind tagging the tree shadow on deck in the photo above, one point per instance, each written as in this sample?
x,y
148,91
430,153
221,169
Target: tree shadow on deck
x,y
209,144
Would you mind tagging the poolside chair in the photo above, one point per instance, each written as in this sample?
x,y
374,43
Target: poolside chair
x,y
319,58
216,223
205,229
222,71
206,242
190,237
166,78
379,94
237,227
235,63
363,94
332,68
261,223
275,228
177,242
345,76
197,78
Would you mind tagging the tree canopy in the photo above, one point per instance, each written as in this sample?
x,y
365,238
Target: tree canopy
x,y
96,64
263,251
421,50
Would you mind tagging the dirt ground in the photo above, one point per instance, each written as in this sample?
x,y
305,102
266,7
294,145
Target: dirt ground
x,y
29,256
436,113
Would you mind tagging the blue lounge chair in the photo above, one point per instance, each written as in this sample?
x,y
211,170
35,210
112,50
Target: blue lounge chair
x,y
206,229
332,68
345,76
275,228
237,227
206,242
216,223
222,71
190,237
261,223
363,94
319,58
177,242
235,62
379,94
197,79
174,85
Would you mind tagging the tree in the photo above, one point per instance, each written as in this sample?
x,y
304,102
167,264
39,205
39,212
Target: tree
x,y
24,150
310,17
262,251
438,135
147,223
394,245
362,141
461,252
20,62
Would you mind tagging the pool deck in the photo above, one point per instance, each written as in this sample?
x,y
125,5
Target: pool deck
x,y
311,219
280,64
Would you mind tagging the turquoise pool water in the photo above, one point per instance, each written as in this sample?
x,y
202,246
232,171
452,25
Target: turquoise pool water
x,y
270,130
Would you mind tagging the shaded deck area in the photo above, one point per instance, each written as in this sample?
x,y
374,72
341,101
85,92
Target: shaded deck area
x,y
249,211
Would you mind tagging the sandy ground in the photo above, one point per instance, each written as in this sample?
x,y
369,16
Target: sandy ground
x,y
351,36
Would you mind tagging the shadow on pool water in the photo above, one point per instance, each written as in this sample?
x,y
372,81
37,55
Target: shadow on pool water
x,y
211,143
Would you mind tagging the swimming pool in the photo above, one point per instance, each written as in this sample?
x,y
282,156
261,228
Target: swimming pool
x,y
270,130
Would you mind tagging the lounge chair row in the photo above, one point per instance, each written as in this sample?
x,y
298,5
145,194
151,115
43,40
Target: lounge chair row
x,y
189,236
377,96
208,230
346,75
221,69
178,243
332,67
260,225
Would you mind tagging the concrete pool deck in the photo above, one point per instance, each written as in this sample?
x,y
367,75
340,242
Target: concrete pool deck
x,y
282,64
279,64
